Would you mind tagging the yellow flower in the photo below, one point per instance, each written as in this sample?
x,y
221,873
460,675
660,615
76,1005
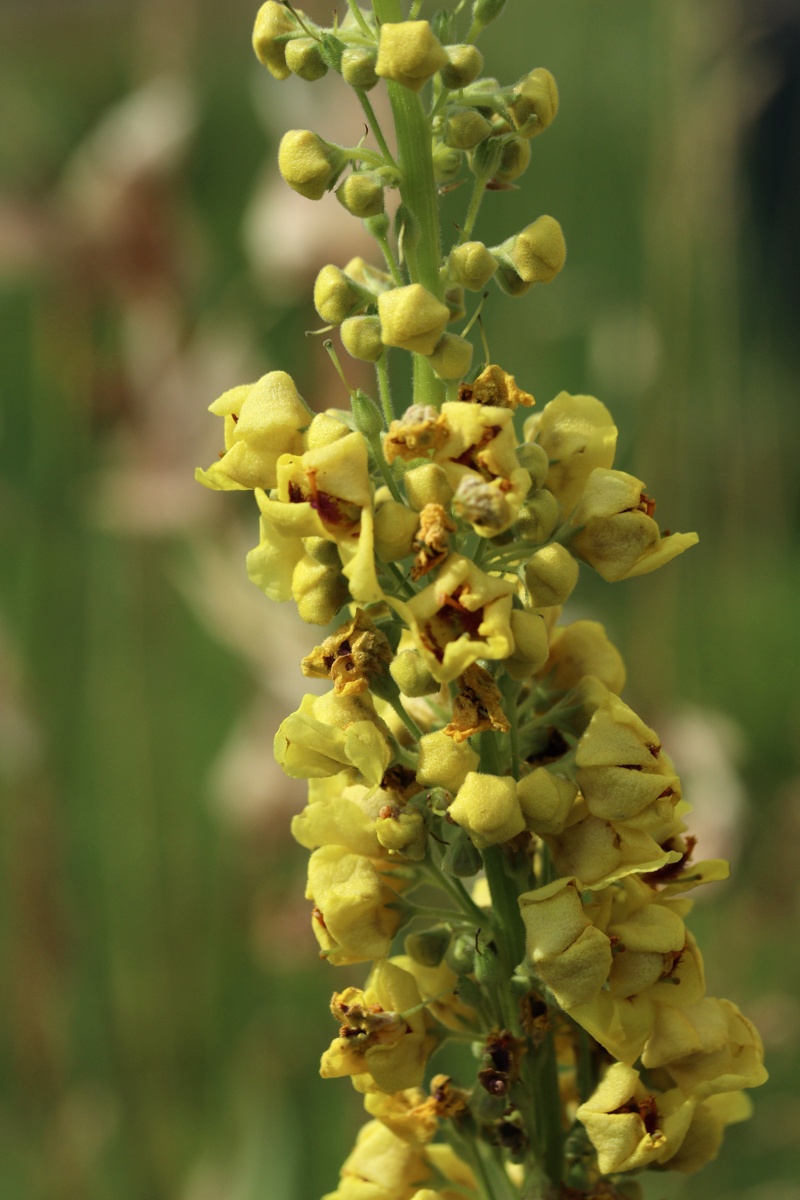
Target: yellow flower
x,y
381,1167
534,103
631,1127
621,767
600,852
487,807
617,534
581,649
438,985
351,919
578,434
707,1048
569,953
263,420
409,1114
460,618
530,644
704,1136
443,762
326,493
545,799
412,317
381,1042
479,447
550,576
409,53
345,818
330,732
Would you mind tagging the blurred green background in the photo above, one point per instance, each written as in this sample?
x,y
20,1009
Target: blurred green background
x,y
163,1004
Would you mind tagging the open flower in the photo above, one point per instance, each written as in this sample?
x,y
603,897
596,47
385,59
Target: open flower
x,y
578,434
478,457
351,920
381,1041
382,1166
460,618
330,732
630,1126
617,534
263,420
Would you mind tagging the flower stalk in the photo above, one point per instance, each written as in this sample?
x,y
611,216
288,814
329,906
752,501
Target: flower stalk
x,y
472,741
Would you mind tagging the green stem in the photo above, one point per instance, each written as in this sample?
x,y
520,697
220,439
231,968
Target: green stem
x,y
511,689
374,125
359,16
391,262
478,192
456,891
384,388
508,923
384,468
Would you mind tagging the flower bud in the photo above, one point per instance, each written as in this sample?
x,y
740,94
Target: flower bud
x,y
452,356
427,484
409,53
358,67
470,265
372,279
485,158
464,65
429,946
308,163
443,762
538,517
535,460
461,858
515,157
412,676
487,808
447,162
304,58
361,337
454,299
337,296
405,834
461,953
366,415
361,194
545,800
530,644
324,430
464,128
551,575
319,591
488,968
535,255
272,21
395,529
412,317
534,103
484,11
322,551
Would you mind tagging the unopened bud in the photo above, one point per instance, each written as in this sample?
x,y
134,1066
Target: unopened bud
x,y
309,164
515,157
366,415
361,194
454,299
428,947
337,296
324,430
361,337
396,527
304,58
485,158
272,22
534,103
531,646
461,858
551,575
322,551
488,968
319,591
470,265
409,53
537,254
427,484
484,11
447,162
412,317
464,128
464,65
412,676
358,67
452,356
460,956
533,458
538,517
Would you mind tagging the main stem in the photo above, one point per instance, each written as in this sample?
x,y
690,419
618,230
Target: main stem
x,y
418,191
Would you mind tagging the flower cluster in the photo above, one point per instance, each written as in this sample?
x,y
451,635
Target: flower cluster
x,y
489,824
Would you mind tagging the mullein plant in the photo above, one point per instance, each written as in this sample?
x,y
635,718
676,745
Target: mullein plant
x,y
490,825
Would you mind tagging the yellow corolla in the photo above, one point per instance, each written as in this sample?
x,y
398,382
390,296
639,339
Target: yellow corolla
x,y
580,649
383,1039
707,1048
330,732
382,1166
461,617
578,434
630,1126
410,1114
616,531
479,460
488,808
351,919
263,420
